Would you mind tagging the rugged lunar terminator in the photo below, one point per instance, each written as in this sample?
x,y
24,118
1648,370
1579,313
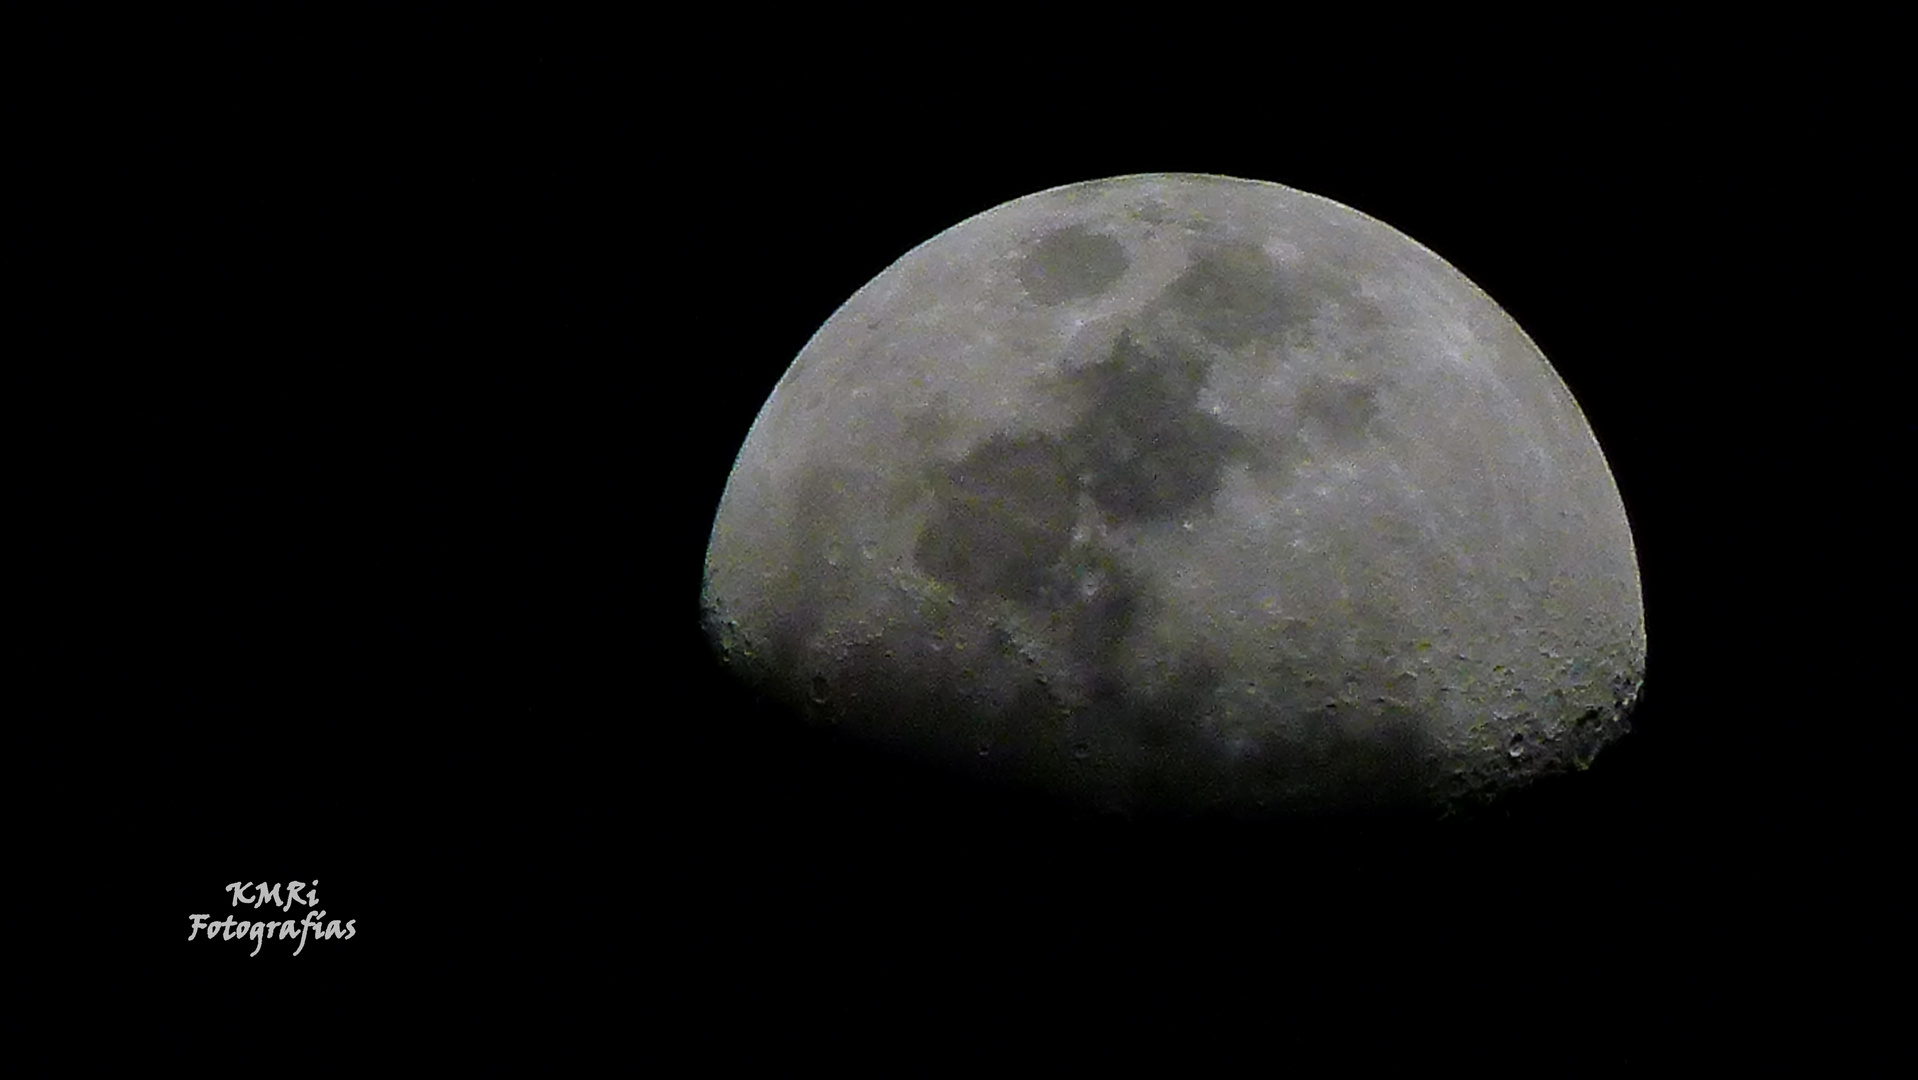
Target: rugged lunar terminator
x,y
1179,493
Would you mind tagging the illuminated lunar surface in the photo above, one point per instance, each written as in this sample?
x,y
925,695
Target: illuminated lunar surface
x,y
1184,494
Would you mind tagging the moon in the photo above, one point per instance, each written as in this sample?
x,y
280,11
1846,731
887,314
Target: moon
x,y
1184,494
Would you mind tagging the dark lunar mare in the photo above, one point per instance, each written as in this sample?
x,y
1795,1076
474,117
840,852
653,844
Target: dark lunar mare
x,y
1001,525
1145,449
1004,516
1070,264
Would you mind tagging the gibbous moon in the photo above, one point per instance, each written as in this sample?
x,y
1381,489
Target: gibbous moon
x,y
1184,494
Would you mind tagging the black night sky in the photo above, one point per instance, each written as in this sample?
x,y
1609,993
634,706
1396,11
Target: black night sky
x,y
421,369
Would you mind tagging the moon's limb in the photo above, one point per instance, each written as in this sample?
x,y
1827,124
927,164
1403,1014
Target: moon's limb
x,y
1185,492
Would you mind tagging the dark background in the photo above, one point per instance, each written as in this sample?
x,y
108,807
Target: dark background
x,y
411,369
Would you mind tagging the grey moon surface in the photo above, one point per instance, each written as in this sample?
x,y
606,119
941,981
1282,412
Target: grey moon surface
x,y
1184,493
